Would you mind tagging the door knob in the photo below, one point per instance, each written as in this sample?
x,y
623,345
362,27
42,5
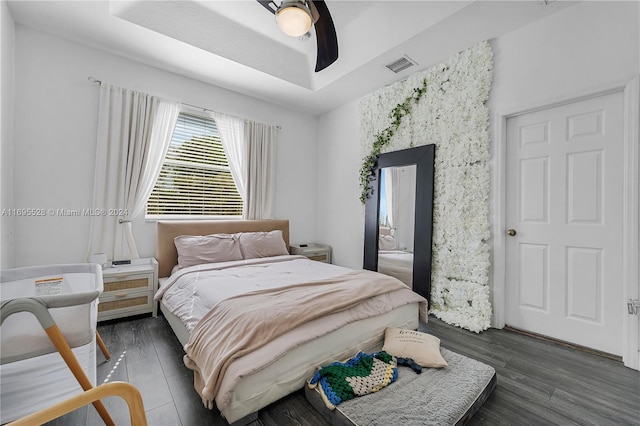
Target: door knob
x,y
511,232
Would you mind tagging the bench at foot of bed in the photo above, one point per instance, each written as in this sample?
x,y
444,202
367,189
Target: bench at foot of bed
x,y
437,396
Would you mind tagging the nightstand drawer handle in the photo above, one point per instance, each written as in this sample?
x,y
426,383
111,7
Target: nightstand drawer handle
x,y
122,294
120,277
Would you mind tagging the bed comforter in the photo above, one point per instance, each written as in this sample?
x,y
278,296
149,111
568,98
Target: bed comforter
x,y
265,299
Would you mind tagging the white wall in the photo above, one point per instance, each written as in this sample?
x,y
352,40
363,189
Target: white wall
x,y
582,49
55,132
340,213
7,27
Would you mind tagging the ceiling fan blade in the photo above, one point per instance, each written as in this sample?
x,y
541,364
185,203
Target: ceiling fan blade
x,y
326,36
269,5
325,31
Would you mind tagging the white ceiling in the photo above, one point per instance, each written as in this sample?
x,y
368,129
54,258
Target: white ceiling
x,y
237,45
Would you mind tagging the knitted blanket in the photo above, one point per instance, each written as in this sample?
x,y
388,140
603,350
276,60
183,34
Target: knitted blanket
x,y
360,375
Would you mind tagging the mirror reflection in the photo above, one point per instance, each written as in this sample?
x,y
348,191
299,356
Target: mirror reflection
x,y
397,222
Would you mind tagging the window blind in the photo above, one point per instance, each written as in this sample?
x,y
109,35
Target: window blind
x,y
195,178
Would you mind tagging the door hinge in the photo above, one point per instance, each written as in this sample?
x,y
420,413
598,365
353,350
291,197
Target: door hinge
x,y
632,306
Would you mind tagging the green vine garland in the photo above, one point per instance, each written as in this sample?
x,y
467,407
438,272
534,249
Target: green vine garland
x,y
383,137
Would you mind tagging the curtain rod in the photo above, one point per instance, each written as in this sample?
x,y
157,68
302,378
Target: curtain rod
x,y
94,80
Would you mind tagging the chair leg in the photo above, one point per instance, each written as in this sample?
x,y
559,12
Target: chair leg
x,y
102,346
127,391
70,359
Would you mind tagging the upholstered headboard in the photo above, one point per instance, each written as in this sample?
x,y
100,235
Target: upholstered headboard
x,y
166,231
384,231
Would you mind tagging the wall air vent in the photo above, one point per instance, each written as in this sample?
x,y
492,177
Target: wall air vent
x,y
400,64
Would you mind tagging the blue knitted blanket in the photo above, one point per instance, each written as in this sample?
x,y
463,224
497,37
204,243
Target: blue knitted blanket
x,y
360,375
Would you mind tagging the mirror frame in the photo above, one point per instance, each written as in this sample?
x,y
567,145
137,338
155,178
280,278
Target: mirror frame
x,y
423,158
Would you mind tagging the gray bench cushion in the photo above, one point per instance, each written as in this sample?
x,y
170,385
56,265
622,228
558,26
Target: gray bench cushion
x,y
445,396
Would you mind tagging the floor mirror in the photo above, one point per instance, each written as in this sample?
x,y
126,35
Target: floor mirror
x,y
399,217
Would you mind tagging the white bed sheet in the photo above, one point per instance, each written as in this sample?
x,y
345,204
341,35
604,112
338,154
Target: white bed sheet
x,y
190,297
397,264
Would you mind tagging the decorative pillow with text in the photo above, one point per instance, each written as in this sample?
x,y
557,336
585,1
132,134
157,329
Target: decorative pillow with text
x,y
423,348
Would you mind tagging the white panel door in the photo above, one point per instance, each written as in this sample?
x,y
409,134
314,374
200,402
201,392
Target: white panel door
x,y
565,206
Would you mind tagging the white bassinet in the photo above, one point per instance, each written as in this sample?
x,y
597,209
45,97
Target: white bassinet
x,y
33,375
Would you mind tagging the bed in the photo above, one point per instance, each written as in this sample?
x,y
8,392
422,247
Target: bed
x,y
246,374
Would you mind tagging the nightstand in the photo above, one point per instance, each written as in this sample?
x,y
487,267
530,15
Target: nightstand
x,y
313,251
129,289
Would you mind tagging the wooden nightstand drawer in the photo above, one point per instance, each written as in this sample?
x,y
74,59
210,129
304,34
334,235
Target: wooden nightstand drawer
x,y
124,303
128,283
320,257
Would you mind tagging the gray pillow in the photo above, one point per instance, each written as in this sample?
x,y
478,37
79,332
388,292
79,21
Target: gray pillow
x,y
262,244
198,249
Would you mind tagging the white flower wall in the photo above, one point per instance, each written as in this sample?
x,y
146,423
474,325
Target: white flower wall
x,y
452,114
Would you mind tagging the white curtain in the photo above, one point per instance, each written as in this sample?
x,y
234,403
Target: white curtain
x,y
392,196
166,116
260,140
134,131
388,196
394,185
231,131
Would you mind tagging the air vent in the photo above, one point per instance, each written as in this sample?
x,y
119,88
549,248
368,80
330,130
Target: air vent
x,y
400,64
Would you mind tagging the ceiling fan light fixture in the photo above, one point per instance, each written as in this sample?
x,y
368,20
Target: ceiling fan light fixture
x,y
294,18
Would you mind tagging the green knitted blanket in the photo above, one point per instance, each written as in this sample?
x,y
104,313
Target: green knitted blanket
x,y
360,375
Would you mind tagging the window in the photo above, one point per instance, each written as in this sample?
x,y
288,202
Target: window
x,y
195,179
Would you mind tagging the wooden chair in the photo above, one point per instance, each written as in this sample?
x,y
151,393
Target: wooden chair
x,y
125,390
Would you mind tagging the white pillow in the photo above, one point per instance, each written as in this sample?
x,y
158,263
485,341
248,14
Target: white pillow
x,y
262,244
387,242
175,269
423,348
198,249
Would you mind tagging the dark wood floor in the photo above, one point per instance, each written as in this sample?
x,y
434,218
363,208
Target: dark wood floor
x,y
539,383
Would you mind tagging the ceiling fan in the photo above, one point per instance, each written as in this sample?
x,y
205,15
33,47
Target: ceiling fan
x,y
295,18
